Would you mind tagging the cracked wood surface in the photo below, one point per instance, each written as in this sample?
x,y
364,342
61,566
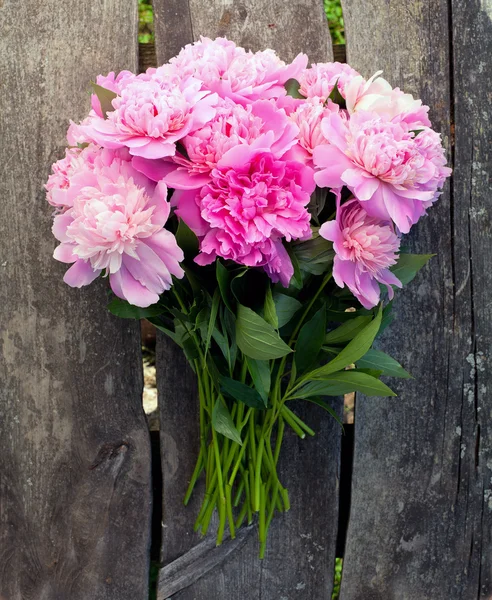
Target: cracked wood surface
x,y
421,514
74,448
300,557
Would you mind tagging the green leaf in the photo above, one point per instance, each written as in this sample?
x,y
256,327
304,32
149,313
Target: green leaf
x,y
292,88
125,310
105,98
256,338
286,307
167,331
409,265
241,392
353,351
344,382
213,318
261,376
224,281
269,309
315,255
372,372
347,331
310,340
317,202
296,280
325,406
187,240
228,325
221,343
222,422
336,97
375,359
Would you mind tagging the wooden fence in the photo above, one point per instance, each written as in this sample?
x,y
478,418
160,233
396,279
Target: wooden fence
x,y
75,460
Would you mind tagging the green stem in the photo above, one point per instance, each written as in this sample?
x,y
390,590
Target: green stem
x,y
230,516
221,500
286,412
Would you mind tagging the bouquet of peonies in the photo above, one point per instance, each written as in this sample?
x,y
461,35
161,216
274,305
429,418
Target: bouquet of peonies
x,y
252,210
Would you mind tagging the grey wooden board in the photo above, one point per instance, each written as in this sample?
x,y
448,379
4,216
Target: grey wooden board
x,y
421,514
299,563
287,27
74,449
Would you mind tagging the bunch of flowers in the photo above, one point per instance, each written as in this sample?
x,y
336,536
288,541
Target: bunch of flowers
x,y
253,211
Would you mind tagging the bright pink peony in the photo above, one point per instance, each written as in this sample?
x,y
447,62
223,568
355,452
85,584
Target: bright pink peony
x,y
260,125
319,80
152,114
384,163
234,73
365,248
377,95
253,201
115,223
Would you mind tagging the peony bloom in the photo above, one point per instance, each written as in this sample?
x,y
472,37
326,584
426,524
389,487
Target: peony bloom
x,y
308,116
377,95
234,73
260,125
365,248
253,201
115,222
114,83
384,163
319,80
151,114
67,177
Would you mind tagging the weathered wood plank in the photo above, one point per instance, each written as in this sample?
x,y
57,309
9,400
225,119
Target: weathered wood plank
x,y
420,520
74,449
287,27
472,87
300,556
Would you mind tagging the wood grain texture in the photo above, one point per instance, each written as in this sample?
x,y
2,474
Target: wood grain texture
x,y
287,27
421,515
300,557
74,449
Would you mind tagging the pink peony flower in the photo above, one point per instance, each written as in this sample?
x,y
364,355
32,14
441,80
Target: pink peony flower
x,y
308,116
114,83
365,248
234,73
383,163
319,80
65,182
260,125
252,203
377,95
152,114
115,222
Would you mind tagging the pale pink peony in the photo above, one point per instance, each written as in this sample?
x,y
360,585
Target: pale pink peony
x,y
67,177
308,116
234,73
151,114
116,223
365,248
384,163
114,83
260,124
377,95
252,203
319,80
